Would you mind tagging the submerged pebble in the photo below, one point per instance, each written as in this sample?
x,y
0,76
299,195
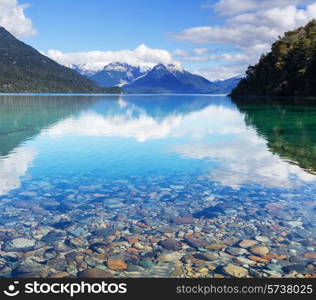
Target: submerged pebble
x,y
160,226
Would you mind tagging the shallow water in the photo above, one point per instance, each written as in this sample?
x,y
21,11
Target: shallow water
x,y
131,164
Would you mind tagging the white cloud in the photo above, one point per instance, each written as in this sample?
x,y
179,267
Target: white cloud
x,y
238,57
195,51
232,7
200,51
255,30
198,55
180,52
213,73
13,19
95,60
13,166
196,58
250,26
281,18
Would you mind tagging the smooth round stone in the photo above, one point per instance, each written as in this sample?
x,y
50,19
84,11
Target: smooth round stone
x,y
259,250
57,263
196,243
49,203
209,213
30,271
216,246
99,247
21,204
62,224
273,273
235,271
148,222
11,257
79,231
28,194
168,229
171,244
274,267
203,271
50,253
19,244
300,268
258,259
147,264
243,261
133,268
76,242
116,264
94,273
262,239
71,257
60,275
115,205
310,255
91,261
294,224
52,237
247,243
170,257
183,220
102,232
138,246
207,256
236,251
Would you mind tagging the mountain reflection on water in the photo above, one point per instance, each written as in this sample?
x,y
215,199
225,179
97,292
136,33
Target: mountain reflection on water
x,y
233,143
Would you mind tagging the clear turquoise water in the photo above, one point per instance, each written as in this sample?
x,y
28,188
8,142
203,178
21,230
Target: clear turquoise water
x,y
119,136
75,170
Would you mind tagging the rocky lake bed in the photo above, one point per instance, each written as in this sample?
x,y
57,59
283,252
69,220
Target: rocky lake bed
x,y
156,186
156,226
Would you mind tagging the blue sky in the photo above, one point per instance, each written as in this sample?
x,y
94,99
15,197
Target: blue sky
x,y
217,39
112,24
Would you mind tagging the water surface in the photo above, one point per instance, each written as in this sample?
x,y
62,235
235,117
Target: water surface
x,y
92,159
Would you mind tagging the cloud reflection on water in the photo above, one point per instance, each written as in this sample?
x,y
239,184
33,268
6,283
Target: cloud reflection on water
x,y
245,160
13,167
212,131
216,133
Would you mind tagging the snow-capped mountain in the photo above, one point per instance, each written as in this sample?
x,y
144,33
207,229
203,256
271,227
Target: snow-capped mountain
x,y
170,79
83,70
227,85
117,74
172,68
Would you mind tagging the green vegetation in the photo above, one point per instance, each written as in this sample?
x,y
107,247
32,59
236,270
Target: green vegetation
x,y
288,70
24,70
25,116
288,126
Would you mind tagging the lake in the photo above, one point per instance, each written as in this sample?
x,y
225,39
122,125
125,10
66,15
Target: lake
x,y
157,186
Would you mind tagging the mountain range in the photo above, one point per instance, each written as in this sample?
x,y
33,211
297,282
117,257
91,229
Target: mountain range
x,y
25,70
117,74
171,78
